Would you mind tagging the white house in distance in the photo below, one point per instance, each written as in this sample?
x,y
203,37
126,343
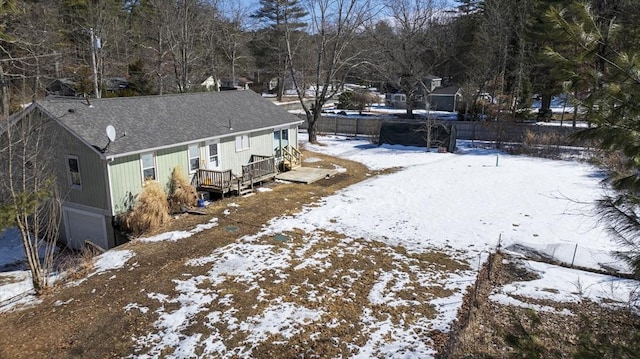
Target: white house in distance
x,y
210,83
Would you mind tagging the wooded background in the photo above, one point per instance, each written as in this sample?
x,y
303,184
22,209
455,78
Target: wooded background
x,y
490,48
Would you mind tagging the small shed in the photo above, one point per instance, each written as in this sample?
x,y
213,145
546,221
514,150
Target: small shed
x,y
443,135
445,98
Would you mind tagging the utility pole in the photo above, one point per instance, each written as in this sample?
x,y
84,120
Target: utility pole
x,y
94,46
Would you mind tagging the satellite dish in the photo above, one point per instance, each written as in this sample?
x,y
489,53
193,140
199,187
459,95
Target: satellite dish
x,y
111,133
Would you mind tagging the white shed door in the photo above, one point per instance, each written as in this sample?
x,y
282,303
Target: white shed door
x,y
84,226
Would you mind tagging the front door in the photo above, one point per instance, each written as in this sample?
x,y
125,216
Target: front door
x,y
213,159
280,141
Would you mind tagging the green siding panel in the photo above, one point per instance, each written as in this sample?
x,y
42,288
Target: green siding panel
x,y
260,143
126,182
167,160
93,191
126,175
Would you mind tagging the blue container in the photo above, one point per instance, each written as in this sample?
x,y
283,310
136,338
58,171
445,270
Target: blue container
x,y
200,202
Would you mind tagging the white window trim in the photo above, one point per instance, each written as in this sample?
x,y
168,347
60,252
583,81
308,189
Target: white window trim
x,y
71,184
207,157
240,145
197,146
155,165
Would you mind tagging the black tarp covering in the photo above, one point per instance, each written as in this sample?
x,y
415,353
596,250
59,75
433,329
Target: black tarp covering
x,y
415,134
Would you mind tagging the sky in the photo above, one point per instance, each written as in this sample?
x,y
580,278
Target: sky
x,y
253,5
463,204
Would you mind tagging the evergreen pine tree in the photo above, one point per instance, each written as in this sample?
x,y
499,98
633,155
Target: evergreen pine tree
x,y
608,65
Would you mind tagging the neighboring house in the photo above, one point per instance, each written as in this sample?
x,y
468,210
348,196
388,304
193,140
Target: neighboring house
x,y
62,87
210,84
240,83
222,140
115,84
430,90
66,87
289,85
430,83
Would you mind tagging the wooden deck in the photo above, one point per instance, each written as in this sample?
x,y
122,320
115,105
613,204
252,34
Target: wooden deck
x,y
259,169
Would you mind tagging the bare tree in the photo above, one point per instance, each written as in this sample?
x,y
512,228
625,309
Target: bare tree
x,y
183,37
410,47
232,35
5,8
152,37
28,190
334,26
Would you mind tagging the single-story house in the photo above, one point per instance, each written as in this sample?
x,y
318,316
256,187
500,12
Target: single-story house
x,y
210,83
431,91
67,87
62,87
115,84
240,83
107,148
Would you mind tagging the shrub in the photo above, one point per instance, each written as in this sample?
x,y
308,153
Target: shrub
x,y
150,211
181,192
355,100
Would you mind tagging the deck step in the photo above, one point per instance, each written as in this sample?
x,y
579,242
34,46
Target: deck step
x,y
245,192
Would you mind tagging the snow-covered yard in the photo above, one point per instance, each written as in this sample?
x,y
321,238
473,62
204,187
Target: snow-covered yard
x,y
379,266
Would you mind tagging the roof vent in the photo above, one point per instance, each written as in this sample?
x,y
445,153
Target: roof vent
x,y
72,110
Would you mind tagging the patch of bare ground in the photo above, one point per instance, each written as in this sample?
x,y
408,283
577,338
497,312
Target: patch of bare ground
x,y
87,319
487,329
338,285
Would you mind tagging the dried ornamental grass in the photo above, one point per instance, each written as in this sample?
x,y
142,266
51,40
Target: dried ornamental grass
x,y
151,210
182,193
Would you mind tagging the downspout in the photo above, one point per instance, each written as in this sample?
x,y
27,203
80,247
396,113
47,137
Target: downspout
x,y
109,190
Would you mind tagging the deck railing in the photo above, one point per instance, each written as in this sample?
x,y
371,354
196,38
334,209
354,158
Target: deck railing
x,y
258,167
217,180
291,156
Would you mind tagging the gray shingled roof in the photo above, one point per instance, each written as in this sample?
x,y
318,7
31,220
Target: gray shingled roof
x,y
449,90
152,122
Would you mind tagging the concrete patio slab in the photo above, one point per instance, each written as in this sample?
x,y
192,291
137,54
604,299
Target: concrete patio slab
x,y
306,174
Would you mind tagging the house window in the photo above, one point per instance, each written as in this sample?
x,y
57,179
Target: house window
x,y
212,154
194,158
73,167
242,143
148,162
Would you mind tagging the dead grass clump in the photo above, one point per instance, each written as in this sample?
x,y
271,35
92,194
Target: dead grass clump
x,y
615,162
150,211
546,145
543,139
181,192
76,264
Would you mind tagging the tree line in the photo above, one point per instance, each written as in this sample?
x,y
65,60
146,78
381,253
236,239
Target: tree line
x,y
490,48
